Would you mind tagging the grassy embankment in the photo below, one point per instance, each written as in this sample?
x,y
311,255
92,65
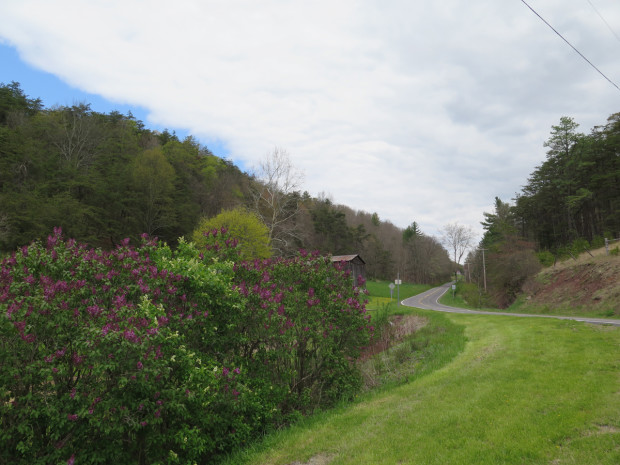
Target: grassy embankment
x,y
589,285
522,391
586,286
407,343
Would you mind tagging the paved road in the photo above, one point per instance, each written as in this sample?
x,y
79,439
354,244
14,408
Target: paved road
x,y
429,301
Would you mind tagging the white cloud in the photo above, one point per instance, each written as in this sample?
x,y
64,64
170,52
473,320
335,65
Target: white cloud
x,y
419,111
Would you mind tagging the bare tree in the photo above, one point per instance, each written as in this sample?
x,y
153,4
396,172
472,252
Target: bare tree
x,y
276,198
457,239
77,135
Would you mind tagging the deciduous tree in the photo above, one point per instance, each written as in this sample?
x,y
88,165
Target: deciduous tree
x,y
242,224
276,198
153,178
458,239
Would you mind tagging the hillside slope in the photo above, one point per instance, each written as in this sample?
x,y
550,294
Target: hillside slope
x,y
588,285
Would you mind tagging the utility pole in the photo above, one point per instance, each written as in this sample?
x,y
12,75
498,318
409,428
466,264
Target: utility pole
x,y
606,246
484,270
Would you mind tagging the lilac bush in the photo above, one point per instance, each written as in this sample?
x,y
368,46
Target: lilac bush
x,y
151,355
101,359
303,325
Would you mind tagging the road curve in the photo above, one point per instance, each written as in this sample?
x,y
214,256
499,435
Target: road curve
x,y
429,300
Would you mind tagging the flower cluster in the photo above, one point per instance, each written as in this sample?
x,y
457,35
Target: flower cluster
x,y
104,344
304,323
143,352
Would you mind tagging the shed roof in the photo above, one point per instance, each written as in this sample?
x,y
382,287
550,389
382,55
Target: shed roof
x,y
347,258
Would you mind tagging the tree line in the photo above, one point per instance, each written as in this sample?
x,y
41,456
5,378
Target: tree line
x,y
103,177
575,193
570,202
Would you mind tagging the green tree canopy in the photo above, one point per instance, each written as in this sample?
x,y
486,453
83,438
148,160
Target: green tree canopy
x,y
499,225
574,193
252,234
153,178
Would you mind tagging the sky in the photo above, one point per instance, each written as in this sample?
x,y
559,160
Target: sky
x,y
419,111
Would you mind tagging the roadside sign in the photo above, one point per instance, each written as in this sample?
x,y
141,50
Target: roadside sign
x,y
392,286
398,281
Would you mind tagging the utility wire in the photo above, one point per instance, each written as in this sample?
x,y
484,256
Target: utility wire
x,y
571,45
603,19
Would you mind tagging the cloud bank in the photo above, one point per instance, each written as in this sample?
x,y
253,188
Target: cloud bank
x,y
420,111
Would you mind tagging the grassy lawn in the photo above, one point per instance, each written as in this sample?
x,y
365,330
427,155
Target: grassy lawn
x,y
379,294
522,391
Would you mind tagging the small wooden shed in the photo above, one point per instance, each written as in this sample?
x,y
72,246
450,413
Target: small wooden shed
x,y
354,263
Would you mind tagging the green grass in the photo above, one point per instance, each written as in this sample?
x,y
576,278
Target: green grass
x,y
523,391
429,349
522,305
379,294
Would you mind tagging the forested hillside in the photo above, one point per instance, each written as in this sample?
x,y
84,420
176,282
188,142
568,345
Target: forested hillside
x,y
105,177
102,177
570,204
575,193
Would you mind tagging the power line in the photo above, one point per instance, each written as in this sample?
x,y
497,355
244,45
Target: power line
x,y
603,19
571,45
